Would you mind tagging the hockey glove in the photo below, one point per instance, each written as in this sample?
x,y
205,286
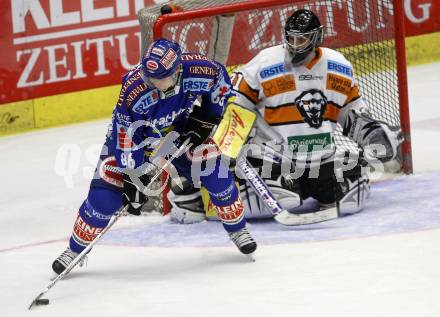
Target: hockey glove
x,y
132,193
377,138
198,127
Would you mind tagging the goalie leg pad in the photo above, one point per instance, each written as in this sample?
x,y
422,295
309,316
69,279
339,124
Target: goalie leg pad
x,y
283,187
221,188
354,201
186,203
355,190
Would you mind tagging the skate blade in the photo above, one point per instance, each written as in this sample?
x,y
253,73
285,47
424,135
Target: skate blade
x,y
53,276
251,256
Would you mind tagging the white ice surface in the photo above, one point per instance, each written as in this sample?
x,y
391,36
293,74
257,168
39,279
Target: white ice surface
x,y
381,262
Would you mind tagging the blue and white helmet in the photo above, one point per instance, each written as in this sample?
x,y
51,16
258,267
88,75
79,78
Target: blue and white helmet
x,y
161,59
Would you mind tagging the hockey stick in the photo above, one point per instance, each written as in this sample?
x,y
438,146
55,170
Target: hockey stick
x,y
291,219
281,215
262,190
259,186
38,300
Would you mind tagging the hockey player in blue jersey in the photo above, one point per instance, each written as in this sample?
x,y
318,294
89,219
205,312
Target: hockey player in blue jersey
x,y
167,91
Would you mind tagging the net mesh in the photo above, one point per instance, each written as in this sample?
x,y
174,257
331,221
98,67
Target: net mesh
x,y
363,31
148,16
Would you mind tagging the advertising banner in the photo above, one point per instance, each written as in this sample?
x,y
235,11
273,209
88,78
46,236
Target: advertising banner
x,y
54,46
50,47
422,16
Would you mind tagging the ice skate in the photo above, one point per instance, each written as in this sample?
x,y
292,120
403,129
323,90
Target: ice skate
x,y
63,261
244,242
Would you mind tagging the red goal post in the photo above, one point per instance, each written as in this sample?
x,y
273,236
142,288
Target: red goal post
x,y
369,33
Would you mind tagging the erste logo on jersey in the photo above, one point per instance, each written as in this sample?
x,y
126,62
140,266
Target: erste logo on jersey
x,y
272,70
340,68
312,104
197,84
146,101
124,141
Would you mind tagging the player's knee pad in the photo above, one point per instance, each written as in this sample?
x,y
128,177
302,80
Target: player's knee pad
x,y
186,203
93,216
355,190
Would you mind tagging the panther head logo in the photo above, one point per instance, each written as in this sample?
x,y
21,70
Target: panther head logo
x,y
312,104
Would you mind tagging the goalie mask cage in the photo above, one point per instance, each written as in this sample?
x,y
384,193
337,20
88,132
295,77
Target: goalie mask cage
x,y
369,33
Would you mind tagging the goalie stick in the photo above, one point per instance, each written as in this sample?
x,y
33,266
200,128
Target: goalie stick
x,y
281,215
38,300
292,219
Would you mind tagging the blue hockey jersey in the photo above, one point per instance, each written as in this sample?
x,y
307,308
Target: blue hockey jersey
x,y
152,114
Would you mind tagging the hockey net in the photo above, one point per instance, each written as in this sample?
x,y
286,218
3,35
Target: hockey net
x,y
369,33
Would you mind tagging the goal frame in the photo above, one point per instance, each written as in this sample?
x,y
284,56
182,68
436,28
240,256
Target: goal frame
x,y
399,23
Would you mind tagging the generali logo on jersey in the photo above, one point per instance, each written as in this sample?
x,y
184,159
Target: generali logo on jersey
x,y
59,46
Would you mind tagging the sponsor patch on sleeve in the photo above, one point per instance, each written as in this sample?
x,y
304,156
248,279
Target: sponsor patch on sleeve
x,y
124,141
339,68
278,85
272,70
197,84
338,83
146,101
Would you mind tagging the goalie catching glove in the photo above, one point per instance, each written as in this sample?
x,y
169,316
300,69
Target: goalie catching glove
x,y
370,134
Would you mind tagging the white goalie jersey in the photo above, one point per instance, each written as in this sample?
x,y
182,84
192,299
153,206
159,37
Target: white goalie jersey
x,y
303,103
